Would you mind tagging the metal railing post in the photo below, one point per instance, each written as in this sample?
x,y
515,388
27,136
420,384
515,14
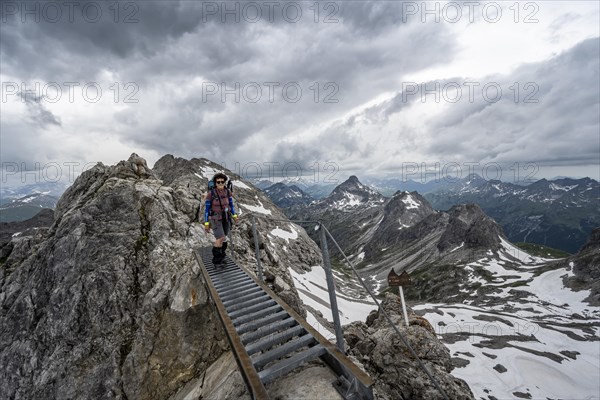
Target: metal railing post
x,y
331,288
258,264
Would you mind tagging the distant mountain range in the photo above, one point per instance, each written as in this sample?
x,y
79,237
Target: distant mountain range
x,y
307,186
559,214
26,207
287,196
10,191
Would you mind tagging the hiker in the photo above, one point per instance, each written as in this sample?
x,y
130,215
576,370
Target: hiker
x,y
217,212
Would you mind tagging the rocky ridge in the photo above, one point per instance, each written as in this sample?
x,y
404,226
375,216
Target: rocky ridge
x,y
586,268
403,232
287,196
108,301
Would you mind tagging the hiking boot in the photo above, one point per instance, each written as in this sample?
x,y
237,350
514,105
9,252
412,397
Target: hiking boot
x,y
217,257
223,249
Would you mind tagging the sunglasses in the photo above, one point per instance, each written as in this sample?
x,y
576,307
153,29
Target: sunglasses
x,y
219,181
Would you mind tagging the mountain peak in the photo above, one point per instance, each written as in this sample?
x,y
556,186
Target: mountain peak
x,y
352,193
287,196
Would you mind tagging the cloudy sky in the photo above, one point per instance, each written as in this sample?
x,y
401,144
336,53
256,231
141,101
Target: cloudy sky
x,y
508,90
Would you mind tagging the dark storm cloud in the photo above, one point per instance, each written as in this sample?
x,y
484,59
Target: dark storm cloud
x,y
38,113
88,35
169,49
554,117
356,68
74,36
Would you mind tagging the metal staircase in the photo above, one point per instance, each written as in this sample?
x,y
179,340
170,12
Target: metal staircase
x,y
268,338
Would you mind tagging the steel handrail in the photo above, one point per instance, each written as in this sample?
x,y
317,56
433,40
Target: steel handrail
x,y
380,308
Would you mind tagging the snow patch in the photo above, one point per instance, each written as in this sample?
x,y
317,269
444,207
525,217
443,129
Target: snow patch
x,y
257,209
285,234
517,253
410,202
554,186
240,184
456,248
526,371
312,288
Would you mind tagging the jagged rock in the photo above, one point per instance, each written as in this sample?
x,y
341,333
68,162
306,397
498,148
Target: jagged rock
x,y
280,285
22,246
468,224
586,267
500,368
110,305
403,210
23,228
391,364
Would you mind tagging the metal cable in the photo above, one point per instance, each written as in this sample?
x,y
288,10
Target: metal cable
x,y
433,380
381,309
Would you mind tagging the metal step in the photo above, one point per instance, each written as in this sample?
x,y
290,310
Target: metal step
x,y
266,329
232,285
251,309
235,292
231,282
249,317
273,340
216,271
229,277
245,302
219,274
243,299
260,360
284,366
257,324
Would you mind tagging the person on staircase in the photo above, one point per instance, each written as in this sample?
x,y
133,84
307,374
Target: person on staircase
x,y
218,215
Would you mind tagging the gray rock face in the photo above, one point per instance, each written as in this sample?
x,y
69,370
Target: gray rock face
x,y
390,363
109,305
468,224
586,267
403,210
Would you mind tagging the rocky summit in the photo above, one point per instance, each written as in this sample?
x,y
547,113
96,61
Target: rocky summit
x,y
108,302
386,356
